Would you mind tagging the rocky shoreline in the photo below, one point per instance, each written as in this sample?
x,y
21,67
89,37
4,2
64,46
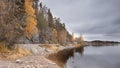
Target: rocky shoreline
x,y
32,61
36,60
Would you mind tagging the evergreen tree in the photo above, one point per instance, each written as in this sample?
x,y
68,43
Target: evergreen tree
x,y
50,19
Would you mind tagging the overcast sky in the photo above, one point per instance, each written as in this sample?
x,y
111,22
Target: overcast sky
x,y
88,17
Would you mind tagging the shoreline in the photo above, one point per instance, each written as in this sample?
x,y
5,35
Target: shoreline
x,y
36,60
30,61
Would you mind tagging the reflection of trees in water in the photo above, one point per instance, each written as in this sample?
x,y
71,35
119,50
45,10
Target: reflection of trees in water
x,y
80,50
61,57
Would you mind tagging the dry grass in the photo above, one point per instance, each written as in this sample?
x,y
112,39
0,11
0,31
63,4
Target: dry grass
x,y
54,48
6,53
18,53
77,45
3,48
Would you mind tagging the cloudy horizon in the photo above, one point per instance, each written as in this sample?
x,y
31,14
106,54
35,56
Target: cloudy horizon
x,y
88,17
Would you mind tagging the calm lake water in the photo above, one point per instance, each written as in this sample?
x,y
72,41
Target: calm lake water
x,y
88,57
94,57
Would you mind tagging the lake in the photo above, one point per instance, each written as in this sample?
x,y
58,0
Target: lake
x,y
96,57
89,57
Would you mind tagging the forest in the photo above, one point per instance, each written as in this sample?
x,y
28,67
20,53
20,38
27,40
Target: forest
x,y
30,22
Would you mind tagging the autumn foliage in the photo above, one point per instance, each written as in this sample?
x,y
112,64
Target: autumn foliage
x,y
31,21
30,28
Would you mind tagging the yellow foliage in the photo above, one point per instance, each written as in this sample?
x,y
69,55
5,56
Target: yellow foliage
x,y
54,31
30,28
28,7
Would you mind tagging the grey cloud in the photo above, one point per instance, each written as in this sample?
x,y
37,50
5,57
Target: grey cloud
x,y
88,16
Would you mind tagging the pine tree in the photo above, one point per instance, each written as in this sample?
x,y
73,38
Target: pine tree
x,y
50,19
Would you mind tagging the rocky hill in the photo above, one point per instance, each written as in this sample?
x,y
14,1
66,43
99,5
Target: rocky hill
x,y
30,22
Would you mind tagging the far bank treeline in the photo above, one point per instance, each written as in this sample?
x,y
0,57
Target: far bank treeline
x,y
29,21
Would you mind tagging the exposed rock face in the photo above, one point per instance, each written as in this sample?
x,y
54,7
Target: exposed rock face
x,y
35,38
28,21
23,40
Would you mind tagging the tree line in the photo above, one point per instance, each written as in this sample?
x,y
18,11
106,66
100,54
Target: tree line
x,y
29,21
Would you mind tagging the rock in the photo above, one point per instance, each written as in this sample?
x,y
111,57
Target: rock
x,y
34,51
18,61
28,66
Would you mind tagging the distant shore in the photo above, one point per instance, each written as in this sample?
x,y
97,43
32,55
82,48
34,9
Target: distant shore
x,y
101,43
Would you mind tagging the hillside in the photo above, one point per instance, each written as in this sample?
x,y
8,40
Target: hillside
x,y
30,22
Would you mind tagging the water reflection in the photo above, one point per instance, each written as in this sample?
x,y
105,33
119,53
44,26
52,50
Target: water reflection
x,y
96,57
61,57
88,57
